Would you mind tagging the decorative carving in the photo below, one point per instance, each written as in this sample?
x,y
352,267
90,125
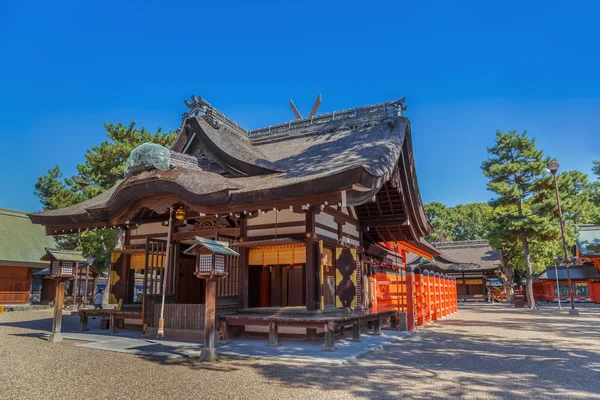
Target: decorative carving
x,y
207,223
201,108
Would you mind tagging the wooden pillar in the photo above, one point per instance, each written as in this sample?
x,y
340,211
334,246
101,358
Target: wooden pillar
x,y
208,351
76,288
243,267
87,281
312,297
410,300
464,285
59,300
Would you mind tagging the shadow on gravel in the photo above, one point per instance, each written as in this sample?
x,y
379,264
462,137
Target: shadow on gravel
x,y
457,365
44,324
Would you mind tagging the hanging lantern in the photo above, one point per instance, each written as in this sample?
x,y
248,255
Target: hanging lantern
x,y
180,213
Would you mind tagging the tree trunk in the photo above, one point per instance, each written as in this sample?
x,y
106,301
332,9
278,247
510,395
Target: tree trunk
x,y
505,274
528,270
528,273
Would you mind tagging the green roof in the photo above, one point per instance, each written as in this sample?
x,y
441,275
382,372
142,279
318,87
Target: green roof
x,y
20,240
214,246
63,255
588,240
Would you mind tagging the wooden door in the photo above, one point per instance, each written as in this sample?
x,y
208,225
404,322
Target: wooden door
x,y
294,286
191,289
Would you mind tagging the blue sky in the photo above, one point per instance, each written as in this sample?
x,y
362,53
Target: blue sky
x,y
466,68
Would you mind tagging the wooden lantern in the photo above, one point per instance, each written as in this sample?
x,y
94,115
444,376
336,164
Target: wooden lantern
x,y
211,264
63,267
210,258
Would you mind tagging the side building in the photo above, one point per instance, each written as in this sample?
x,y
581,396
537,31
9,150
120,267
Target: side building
x,y
21,246
472,263
585,272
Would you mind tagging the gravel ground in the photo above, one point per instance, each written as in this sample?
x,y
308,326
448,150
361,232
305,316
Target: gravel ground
x,y
484,351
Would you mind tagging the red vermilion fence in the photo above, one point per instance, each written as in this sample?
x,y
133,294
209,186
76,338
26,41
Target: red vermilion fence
x,y
425,296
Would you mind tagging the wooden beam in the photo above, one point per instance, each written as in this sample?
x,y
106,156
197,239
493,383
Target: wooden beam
x,y
208,233
340,216
148,235
278,225
383,221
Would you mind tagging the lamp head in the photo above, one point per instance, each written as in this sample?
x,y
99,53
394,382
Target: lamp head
x,y
553,167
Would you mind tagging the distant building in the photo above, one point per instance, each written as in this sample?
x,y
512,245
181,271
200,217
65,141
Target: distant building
x,y
473,263
21,246
585,274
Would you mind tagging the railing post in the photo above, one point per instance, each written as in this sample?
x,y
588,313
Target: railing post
x,y
437,296
410,300
427,282
444,310
419,296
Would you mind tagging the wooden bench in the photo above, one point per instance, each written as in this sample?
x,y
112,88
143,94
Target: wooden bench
x,y
329,322
114,316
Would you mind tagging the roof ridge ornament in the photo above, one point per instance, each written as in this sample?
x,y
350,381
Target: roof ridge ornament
x,y
313,111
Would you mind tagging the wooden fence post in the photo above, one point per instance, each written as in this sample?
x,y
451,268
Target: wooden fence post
x,y
427,297
444,296
419,296
410,300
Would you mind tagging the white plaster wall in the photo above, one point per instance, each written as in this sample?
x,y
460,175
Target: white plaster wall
x,y
269,217
280,231
323,232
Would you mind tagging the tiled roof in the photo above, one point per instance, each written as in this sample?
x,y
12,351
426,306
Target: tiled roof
x,y
463,256
585,271
21,242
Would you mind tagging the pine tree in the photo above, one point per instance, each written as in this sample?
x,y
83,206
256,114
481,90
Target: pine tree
x,y
103,167
514,168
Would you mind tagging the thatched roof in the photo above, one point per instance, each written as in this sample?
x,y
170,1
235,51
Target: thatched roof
x,y
347,155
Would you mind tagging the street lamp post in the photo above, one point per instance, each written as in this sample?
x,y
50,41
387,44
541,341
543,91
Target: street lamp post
x,y
557,285
553,168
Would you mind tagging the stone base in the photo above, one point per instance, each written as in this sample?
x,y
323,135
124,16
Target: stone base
x,y
208,355
329,349
55,338
273,344
573,312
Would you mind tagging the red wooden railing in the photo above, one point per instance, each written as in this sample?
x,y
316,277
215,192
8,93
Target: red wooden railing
x,y
424,295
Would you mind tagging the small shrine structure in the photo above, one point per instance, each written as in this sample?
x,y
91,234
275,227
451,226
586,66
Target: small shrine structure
x,y
313,208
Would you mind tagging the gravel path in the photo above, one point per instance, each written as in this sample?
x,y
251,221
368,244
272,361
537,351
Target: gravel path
x,y
484,351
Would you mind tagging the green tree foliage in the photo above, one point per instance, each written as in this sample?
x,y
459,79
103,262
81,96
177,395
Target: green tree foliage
x,y
576,197
103,167
462,222
514,169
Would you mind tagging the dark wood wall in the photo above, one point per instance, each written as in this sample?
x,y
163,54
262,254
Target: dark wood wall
x,y
15,285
